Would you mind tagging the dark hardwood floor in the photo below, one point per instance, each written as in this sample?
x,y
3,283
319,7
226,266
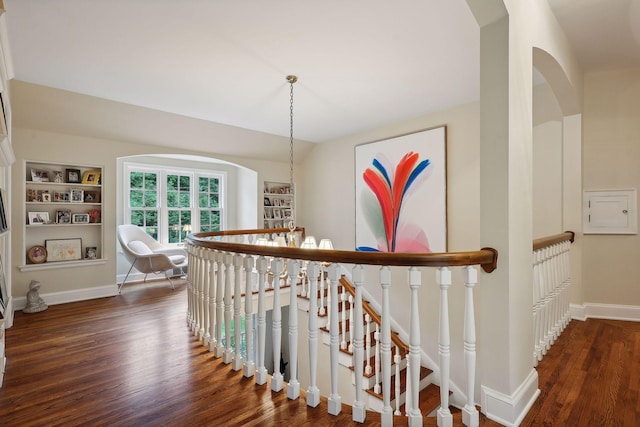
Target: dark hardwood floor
x,y
130,360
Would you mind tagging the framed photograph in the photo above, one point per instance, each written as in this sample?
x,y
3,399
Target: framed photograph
x,y
91,177
63,249
38,218
76,195
32,195
4,222
91,252
94,216
37,254
63,217
80,218
61,196
38,175
92,197
46,196
267,202
73,175
401,193
58,176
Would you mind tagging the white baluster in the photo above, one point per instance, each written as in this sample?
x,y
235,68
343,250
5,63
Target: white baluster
x,y
277,378
313,393
356,344
237,312
536,308
335,401
413,360
385,347
343,298
204,266
322,291
261,371
220,303
195,326
351,331
396,362
293,388
470,415
212,300
367,342
376,362
228,315
249,365
189,249
445,419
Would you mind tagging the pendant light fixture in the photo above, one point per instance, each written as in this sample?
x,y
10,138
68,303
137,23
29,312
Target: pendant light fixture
x,y
292,221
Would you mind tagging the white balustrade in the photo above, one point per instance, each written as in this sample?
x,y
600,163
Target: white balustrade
x,y
215,286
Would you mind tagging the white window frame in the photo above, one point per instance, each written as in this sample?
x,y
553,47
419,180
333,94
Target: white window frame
x,y
162,172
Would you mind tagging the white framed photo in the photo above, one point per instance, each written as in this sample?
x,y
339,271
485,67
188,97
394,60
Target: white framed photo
x,y
80,218
38,218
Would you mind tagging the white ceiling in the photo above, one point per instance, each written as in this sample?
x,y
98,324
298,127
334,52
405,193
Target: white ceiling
x,y
361,63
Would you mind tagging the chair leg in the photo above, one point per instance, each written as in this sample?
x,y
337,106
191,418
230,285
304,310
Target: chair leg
x,y
169,279
125,277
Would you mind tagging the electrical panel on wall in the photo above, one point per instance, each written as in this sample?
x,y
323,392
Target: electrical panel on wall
x,y
610,212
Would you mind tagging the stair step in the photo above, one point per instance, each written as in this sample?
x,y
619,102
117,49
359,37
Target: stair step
x,y
424,373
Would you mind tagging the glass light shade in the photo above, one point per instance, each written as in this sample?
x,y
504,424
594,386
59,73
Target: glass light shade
x,y
326,244
187,228
280,241
262,241
309,243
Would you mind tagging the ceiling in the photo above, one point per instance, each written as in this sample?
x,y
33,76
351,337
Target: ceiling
x,y
361,64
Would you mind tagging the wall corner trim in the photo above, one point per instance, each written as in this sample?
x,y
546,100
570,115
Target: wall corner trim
x,y
510,410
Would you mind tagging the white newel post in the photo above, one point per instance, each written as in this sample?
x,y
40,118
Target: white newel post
x,y
293,388
277,379
228,302
335,401
249,365
313,393
357,343
212,299
470,415
413,372
445,419
219,303
237,311
261,372
385,347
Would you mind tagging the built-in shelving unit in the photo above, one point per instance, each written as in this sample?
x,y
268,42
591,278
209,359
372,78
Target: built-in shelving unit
x,y
279,199
63,215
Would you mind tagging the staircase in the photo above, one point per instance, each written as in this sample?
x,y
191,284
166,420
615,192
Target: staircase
x,y
429,399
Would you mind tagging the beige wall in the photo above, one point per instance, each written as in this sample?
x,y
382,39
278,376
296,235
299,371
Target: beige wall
x,y
611,160
69,149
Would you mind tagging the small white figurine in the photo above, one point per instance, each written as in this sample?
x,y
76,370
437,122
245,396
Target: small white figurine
x,y
35,303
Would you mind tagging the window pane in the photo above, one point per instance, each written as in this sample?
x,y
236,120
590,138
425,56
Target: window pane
x,y
137,218
135,198
173,217
205,217
150,199
185,217
135,179
185,182
153,232
150,181
203,184
213,200
214,185
172,199
172,182
185,199
203,200
215,218
151,218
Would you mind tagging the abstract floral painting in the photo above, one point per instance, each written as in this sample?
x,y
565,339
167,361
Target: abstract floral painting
x,y
401,193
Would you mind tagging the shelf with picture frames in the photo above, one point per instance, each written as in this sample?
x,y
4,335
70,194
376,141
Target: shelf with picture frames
x,y
278,206
62,208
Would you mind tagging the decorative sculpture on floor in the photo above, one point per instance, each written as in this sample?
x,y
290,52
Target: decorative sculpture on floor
x,y
35,303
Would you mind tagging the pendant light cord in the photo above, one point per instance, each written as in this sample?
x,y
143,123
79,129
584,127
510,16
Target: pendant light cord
x,y
291,79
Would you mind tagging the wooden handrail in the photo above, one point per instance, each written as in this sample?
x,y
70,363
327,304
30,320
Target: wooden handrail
x,y
545,242
487,258
374,315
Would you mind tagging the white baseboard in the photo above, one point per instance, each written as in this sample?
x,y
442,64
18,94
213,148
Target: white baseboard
x,y
605,311
510,410
70,296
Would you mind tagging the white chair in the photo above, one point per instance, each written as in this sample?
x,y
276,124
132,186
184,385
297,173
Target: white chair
x,y
147,255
